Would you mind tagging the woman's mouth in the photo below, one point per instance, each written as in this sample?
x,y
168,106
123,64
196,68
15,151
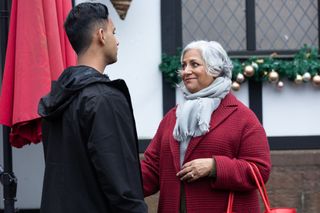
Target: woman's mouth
x,y
188,79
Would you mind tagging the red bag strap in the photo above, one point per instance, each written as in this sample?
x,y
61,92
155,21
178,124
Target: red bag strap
x,y
258,174
260,184
261,187
230,202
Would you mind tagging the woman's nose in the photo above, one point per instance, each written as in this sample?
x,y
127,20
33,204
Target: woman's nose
x,y
187,70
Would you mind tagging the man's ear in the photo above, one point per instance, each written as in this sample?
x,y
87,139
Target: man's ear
x,y
100,35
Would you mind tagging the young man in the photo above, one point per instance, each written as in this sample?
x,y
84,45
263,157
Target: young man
x,y
89,133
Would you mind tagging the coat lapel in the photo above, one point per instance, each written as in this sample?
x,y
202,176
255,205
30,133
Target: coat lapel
x,y
175,151
226,108
174,145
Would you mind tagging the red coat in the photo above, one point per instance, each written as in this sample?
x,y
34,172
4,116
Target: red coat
x,y
235,137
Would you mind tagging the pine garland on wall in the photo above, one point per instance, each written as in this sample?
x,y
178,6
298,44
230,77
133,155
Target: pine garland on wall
x,y
304,67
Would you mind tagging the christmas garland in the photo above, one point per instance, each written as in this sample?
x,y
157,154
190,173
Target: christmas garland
x,y
302,68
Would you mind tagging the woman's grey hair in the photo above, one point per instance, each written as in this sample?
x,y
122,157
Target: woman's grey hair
x,y
215,57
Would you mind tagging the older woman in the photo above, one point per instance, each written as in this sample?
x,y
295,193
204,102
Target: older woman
x,y
202,147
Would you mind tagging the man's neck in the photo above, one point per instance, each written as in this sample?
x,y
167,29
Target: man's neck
x,y
95,62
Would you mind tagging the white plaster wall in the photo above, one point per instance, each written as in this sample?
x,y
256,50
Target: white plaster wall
x,y
292,111
139,56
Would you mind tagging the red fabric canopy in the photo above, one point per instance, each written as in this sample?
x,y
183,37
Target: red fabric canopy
x,y
38,50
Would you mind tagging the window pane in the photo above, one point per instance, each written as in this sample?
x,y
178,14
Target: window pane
x,y
286,24
219,20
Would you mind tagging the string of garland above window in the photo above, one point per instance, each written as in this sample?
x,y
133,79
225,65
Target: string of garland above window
x,y
303,67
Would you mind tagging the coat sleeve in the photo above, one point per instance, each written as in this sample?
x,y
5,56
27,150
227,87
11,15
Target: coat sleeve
x,y
234,173
112,150
150,165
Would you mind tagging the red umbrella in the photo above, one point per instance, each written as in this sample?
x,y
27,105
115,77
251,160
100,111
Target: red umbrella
x,y
37,52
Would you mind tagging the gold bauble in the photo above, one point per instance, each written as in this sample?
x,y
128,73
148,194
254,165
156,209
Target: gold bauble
x,y
306,77
260,61
308,55
248,71
274,54
255,65
240,78
298,79
235,86
273,76
280,84
316,80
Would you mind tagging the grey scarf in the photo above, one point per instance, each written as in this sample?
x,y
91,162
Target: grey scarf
x,y
193,116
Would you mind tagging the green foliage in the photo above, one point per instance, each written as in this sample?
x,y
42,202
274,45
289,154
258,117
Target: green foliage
x,y
169,67
305,60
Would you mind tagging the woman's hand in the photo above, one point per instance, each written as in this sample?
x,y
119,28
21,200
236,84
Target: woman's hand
x,y
196,169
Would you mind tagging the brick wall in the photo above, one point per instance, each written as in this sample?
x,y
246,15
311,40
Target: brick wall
x,y
294,181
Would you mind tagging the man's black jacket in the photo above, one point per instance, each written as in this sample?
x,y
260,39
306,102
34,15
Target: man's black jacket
x,y
90,143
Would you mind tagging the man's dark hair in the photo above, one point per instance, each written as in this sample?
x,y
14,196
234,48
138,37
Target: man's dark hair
x,y
80,22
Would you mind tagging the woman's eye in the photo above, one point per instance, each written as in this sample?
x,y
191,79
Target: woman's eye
x,y
195,64
183,66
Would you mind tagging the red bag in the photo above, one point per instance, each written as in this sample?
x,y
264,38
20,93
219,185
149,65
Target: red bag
x,y
263,192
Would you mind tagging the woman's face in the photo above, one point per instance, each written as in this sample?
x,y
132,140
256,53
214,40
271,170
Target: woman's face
x,y
194,74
